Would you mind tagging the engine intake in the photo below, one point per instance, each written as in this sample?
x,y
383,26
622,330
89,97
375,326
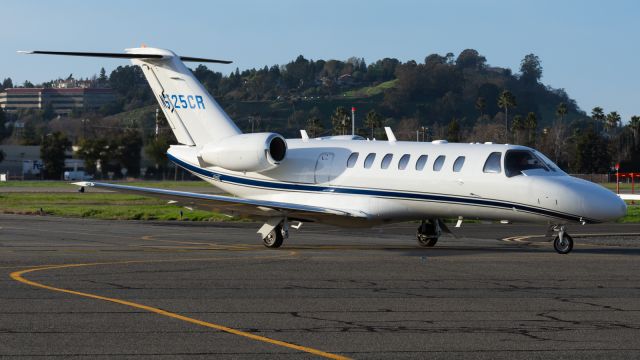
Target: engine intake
x,y
255,152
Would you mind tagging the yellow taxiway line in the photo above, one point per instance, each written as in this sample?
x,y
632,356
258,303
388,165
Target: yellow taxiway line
x,y
18,276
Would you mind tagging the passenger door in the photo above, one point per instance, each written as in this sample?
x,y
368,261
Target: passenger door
x,y
324,168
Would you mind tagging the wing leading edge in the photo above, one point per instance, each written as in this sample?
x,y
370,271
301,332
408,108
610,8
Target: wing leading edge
x,y
230,205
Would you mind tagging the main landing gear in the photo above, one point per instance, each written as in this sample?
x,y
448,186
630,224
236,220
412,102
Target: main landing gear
x,y
273,232
428,232
563,243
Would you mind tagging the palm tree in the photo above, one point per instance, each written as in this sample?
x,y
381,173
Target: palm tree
x,y
531,123
613,119
373,120
634,124
341,120
517,126
314,125
481,104
597,114
506,100
561,111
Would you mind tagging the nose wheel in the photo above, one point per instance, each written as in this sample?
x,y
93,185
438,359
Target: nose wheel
x,y
428,233
563,243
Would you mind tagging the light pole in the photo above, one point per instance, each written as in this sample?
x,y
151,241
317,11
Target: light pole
x,y
353,120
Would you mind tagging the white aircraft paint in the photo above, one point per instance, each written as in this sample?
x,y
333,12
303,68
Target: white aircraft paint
x,y
390,181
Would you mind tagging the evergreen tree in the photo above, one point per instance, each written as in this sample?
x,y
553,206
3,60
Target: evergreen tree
x,y
531,69
453,131
52,153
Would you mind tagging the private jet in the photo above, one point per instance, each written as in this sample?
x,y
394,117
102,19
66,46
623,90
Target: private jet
x,y
349,181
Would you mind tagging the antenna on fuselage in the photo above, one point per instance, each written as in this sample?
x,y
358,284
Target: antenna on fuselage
x,y
390,136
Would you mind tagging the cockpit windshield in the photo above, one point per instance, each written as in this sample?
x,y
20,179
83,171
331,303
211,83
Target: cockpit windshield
x,y
521,162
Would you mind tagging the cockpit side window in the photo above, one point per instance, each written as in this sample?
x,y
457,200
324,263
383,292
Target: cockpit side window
x,y
517,161
492,165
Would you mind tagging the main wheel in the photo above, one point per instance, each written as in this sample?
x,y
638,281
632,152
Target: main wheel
x,y
426,240
563,246
274,239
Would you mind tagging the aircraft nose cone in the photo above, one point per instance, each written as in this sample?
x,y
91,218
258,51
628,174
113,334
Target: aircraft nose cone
x,y
602,204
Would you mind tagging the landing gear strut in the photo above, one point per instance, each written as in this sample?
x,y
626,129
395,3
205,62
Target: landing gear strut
x,y
428,233
563,243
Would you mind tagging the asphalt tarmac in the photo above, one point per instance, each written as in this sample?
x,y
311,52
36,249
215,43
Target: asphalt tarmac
x,y
76,288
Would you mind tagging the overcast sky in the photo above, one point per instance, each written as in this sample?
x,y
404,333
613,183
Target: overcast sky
x,y
589,48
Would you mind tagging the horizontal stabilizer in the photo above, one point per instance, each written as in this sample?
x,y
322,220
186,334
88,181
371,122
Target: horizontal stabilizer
x,y
123,56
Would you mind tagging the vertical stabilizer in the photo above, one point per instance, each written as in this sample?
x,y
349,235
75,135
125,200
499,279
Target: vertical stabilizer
x,y
194,116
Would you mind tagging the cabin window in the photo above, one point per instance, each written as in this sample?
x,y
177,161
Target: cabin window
x,y
457,165
517,161
492,165
404,160
422,161
437,165
351,162
368,161
386,160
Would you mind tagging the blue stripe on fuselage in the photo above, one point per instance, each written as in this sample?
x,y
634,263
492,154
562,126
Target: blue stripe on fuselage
x,y
371,192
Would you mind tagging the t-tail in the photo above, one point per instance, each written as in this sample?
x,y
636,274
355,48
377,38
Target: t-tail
x,y
196,119
194,116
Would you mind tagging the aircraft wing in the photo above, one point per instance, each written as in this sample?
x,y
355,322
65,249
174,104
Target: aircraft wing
x,y
629,196
230,205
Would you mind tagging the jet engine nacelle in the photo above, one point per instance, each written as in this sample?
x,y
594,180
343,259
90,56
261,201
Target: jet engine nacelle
x,y
246,152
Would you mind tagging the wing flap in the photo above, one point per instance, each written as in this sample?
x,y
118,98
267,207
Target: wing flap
x,y
227,204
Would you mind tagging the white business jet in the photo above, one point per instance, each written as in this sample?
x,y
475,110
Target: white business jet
x,y
349,181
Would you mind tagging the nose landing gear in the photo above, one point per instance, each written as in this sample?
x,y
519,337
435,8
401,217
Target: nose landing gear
x,y
563,243
428,233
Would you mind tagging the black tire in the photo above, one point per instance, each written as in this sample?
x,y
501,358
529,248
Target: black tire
x,y
274,239
425,240
565,246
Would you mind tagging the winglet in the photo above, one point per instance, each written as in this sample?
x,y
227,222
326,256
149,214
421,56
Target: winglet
x,y
24,52
390,135
304,135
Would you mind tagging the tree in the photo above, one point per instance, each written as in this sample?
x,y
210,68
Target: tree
x,y
591,153
531,124
103,80
561,111
128,147
597,114
517,127
2,155
28,84
7,83
506,100
480,105
29,134
156,150
453,131
94,152
634,124
341,121
612,120
314,126
372,121
531,69
5,131
52,153
470,59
